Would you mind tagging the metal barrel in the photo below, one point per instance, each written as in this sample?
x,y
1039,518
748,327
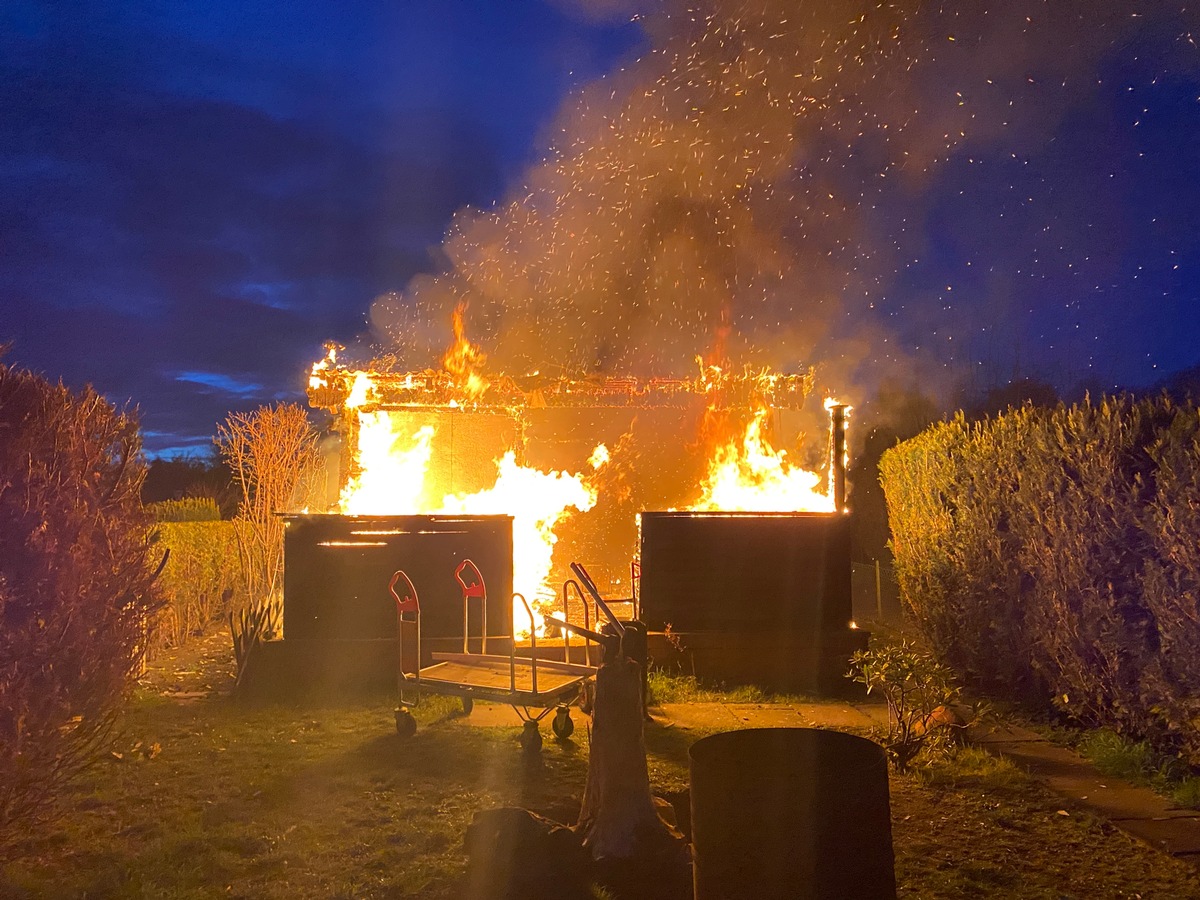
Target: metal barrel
x,y
791,812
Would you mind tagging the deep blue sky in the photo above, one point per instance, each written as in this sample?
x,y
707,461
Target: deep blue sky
x,y
194,196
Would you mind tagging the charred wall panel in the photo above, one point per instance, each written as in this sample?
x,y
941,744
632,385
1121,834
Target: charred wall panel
x,y
784,573
337,569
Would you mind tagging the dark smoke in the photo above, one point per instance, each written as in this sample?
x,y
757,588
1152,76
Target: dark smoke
x,y
754,188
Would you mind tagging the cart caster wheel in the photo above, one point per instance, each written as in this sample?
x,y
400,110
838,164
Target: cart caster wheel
x,y
468,704
562,726
531,738
406,725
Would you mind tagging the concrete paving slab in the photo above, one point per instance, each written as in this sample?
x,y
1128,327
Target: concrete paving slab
x,y
993,733
695,715
876,712
833,715
1117,802
1136,810
764,715
1045,760
1180,836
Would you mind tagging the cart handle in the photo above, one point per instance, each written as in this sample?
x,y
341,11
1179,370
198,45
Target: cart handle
x,y
477,588
587,620
410,602
579,570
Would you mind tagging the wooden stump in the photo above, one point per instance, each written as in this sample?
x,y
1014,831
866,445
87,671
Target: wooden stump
x,y
634,848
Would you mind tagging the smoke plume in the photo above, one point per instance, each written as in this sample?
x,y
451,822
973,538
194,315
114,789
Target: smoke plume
x,y
755,187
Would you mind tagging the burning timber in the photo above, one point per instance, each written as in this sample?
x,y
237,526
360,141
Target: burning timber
x,y
614,446
577,463
334,388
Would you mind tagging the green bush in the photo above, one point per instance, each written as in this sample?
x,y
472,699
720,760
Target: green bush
x,y
920,693
189,509
76,583
202,581
1054,555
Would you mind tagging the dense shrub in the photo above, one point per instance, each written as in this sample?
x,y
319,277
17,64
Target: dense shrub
x,y
76,582
1055,554
202,581
189,509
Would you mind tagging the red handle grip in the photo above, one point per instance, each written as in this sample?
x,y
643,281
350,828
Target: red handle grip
x,y
409,603
477,588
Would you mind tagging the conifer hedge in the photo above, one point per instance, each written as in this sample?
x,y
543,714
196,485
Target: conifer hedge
x,y
1053,555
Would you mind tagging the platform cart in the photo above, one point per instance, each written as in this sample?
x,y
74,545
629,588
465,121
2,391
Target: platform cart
x,y
532,687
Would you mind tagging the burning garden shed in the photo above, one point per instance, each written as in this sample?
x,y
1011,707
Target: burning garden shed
x,y
582,464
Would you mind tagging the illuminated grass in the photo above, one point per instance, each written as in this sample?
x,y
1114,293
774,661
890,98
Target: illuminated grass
x,y
282,802
297,802
1139,763
674,687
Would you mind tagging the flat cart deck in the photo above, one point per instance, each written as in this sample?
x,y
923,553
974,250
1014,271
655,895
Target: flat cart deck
x,y
524,683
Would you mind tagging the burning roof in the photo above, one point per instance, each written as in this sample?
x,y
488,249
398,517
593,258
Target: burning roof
x,y
340,388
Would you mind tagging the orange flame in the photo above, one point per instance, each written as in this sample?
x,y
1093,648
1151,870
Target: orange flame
x,y
393,480
464,360
316,378
747,474
537,501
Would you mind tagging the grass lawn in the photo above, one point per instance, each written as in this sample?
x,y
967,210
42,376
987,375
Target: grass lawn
x,y
214,798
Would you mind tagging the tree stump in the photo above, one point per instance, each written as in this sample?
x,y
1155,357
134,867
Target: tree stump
x,y
635,850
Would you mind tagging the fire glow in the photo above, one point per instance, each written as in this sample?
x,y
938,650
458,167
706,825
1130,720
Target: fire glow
x,y
398,427
393,479
749,475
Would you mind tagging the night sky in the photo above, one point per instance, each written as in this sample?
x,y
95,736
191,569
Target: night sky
x,y
195,196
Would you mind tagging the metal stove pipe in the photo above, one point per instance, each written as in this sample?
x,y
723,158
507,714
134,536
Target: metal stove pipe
x,y
837,455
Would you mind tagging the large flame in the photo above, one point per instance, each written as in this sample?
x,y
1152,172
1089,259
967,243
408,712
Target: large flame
x,y
392,467
464,360
747,474
393,479
316,378
537,501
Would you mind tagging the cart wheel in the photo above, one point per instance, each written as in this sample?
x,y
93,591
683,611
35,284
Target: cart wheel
x,y
406,725
468,705
531,738
562,726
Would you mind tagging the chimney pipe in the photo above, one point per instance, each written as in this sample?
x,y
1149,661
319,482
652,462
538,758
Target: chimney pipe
x,y
837,455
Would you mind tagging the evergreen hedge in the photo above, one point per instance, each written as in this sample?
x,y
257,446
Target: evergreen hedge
x,y
202,581
187,509
76,583
1053,555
